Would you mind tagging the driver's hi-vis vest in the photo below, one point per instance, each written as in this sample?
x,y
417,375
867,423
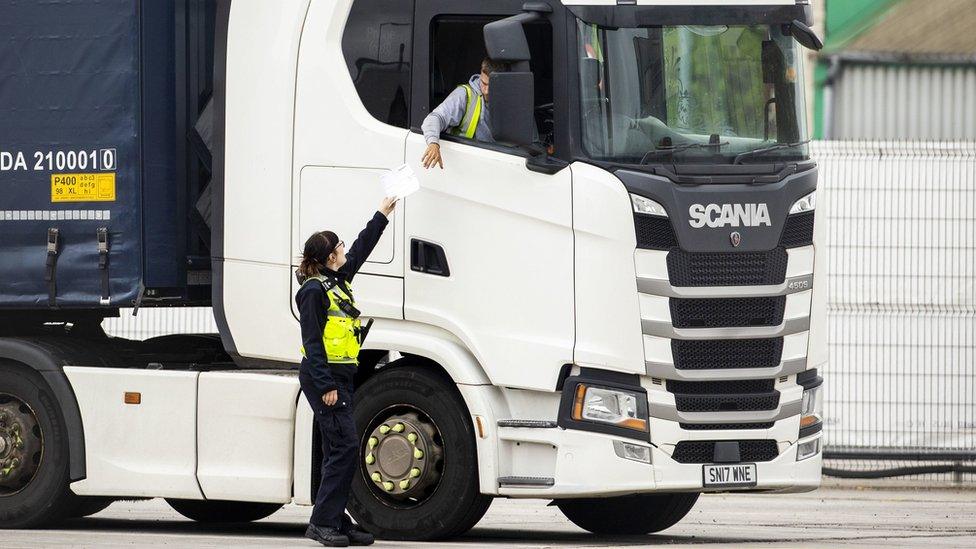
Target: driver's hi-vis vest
x,y
342,326
472,114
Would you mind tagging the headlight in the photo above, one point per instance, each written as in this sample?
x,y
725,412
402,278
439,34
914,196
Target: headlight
x,y
610,406
808,449
806,204
647,206
811,407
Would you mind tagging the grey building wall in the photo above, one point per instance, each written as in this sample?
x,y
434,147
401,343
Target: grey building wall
x,y
911,102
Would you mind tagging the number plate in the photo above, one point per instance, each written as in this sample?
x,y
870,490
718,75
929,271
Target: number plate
x,y
729,476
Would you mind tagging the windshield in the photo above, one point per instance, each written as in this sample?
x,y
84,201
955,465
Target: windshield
x,y
691,94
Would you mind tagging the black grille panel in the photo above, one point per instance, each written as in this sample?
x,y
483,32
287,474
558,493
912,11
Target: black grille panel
x,y
727,403
798,230
724,387
727,268
724,426
654,233
727,312
690,354
703,451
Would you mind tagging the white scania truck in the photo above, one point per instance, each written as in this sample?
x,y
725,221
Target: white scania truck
x,y
617,306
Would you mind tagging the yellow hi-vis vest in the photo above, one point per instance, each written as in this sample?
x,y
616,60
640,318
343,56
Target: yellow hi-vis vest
x,y
341,334
472,114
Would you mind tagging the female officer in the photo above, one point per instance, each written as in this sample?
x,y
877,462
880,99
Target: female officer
x,y
330,345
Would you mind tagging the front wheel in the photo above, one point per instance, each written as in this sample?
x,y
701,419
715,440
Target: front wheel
x,y
628,515
418,474
216,511
33,451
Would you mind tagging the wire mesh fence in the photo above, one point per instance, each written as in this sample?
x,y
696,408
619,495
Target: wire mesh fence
x,y
901,380
902,307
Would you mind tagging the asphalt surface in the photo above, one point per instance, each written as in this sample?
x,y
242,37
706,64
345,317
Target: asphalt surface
x,y
836,515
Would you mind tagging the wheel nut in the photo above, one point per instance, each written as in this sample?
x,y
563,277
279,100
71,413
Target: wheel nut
x,y
412,437
376,477
370,459
414,473
384,429
388,486
404,484
418,453
398,428
372,442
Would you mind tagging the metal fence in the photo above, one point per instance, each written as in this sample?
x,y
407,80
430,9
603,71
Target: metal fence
x,y
901,381
902,307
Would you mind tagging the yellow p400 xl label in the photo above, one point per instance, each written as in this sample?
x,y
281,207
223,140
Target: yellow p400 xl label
x,y
83,187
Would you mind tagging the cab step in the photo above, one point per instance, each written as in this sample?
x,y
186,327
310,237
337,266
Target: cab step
x,y
527,481
527,423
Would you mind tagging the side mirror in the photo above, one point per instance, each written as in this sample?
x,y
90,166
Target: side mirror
x,y
505,39
805,36
512,114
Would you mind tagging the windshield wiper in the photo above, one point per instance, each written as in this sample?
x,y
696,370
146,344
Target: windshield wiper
x,y
671,150
777,147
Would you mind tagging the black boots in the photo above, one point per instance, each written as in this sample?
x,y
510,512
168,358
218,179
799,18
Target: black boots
x,y
358,537
330,537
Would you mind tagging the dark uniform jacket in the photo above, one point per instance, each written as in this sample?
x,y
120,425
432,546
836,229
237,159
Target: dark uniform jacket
x,y
312,305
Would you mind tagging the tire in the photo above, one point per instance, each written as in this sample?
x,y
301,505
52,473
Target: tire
x,y
222,512
452,505
628,515
87,506
45,498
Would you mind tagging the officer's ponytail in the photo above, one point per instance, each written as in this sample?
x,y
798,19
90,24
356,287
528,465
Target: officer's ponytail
x,y
316,254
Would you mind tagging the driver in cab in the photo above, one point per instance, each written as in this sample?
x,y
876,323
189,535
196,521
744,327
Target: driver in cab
x,y
463,113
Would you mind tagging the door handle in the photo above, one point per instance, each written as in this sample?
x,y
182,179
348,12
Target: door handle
x,y
427,257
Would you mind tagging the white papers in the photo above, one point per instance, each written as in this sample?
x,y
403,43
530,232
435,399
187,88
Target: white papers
x,y
400,182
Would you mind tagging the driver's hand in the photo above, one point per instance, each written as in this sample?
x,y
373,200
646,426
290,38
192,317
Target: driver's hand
x,y
432,156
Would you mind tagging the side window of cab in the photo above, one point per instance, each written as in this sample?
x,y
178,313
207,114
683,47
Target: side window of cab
x,y
457,52
377,44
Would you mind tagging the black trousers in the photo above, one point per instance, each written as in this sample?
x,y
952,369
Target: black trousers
x,y
339,447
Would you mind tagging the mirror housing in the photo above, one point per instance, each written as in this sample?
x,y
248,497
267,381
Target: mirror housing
x,y
511,100
505,39
805,36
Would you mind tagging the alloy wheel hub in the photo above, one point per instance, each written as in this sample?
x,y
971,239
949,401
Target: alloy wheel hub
x,y
403,457
21,445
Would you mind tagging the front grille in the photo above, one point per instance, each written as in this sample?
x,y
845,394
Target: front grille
x,y
733,387
703,451
727,403
798,230
727,268
690,354
742,395
725,426
654,233
727,312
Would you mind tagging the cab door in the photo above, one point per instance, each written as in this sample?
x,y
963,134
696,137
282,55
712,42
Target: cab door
x,y
489,243
349,132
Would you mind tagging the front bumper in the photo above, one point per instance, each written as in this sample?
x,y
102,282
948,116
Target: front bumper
x,y
584,464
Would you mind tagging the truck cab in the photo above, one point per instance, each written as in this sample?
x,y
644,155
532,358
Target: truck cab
x,y
617,304
630,274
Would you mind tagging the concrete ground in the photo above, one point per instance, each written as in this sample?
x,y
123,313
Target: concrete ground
x,y
836,515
